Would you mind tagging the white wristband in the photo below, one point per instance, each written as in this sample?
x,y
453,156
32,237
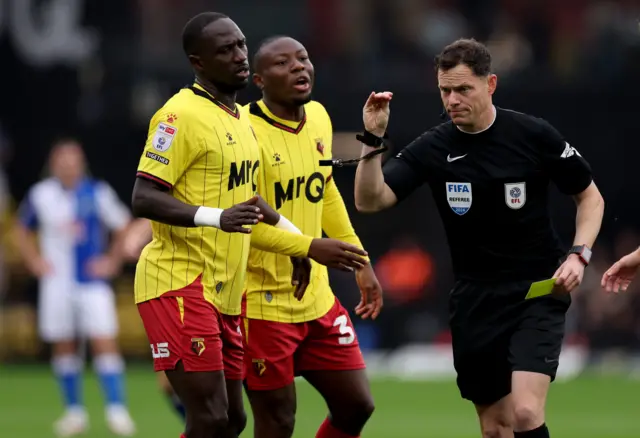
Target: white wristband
x,y
207,217
285,224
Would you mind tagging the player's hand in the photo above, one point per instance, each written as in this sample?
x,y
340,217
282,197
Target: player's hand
x,y
271,217
569,274
233,219
622,273
375,113
370,292
132,246
103,267
301,276
337,254
39,267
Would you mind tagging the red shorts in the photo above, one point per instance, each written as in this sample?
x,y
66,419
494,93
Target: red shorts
x,y
232,349
182,326
276,352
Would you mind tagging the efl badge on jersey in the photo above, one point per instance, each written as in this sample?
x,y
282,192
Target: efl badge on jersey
x,y
197,346
164,136
259,366
515,195
459,197
320,146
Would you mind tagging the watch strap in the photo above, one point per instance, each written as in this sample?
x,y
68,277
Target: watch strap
x,y
583,252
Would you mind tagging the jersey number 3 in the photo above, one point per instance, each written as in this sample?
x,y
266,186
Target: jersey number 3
x,y
347,332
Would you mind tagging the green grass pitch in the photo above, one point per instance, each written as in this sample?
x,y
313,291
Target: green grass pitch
x,y
589,407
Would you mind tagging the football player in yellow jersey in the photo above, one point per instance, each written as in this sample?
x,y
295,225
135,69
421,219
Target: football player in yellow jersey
x,y
315,337
195,181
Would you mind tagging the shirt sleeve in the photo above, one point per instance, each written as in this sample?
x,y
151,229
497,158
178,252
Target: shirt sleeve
x,y
169,151
567,168
335,218
27,213
112,211
268,238
405,172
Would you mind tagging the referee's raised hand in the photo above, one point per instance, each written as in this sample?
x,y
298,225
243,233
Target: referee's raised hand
x,y
375,113
622,273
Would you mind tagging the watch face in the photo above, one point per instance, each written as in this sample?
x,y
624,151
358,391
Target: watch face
x,y
586,253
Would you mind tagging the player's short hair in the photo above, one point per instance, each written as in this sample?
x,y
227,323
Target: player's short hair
x,y
469,52
264,43
193,30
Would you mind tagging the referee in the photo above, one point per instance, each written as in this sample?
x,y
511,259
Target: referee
x,y
489,170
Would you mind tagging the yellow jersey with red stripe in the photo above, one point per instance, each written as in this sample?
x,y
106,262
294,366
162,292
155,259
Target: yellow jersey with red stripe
x,y
293,182
204,153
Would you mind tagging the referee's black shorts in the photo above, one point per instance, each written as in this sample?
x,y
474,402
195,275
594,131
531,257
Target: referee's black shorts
x,y
495,331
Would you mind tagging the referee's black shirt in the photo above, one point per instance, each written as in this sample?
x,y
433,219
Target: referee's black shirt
x,y
491,189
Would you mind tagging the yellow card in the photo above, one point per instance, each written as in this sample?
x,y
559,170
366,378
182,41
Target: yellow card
x,y
540,288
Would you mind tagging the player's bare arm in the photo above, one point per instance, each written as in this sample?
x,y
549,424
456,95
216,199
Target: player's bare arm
x,y
25,241
619,276
590,209
153,201
138,234
372,194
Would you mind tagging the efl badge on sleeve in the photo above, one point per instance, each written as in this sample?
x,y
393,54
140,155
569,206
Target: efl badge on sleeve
x,y
515,195
163,137
459,197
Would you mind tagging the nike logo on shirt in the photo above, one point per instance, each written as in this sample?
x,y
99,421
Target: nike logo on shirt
x,y
451,160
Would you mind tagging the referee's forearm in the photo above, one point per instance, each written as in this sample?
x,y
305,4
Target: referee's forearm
x,y
369,184
590,210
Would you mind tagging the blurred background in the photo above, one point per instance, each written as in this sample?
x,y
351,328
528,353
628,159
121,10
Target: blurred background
x,y
98,70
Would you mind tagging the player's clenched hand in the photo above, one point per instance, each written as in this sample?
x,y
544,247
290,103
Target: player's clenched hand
x,y
337,254
622,273
370,292
233,219
301,276
569,274
375,113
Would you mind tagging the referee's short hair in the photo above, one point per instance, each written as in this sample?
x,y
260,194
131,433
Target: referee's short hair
x,y
469,52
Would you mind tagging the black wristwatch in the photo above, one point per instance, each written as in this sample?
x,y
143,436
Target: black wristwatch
x,y
583,251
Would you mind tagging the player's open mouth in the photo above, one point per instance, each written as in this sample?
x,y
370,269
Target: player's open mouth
x,y
302,84
243,72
